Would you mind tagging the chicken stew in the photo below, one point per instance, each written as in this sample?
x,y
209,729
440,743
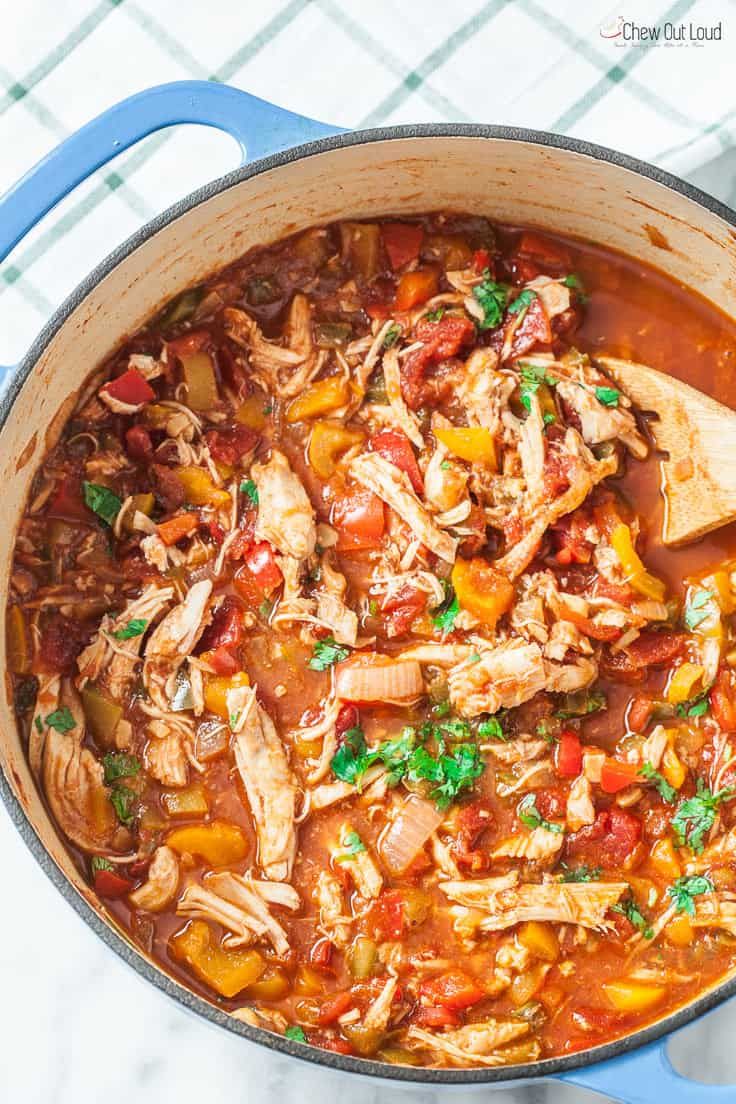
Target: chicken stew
x,y
351,665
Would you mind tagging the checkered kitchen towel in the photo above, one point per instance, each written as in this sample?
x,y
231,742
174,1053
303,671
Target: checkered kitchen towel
x,y
634,76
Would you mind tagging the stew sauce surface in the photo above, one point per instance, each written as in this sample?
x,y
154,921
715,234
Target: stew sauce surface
x,y
350,662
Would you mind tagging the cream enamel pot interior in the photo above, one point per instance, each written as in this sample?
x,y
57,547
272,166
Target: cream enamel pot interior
x,y
511,176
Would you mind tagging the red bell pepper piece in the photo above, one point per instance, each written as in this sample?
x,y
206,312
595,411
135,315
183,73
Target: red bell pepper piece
x,y
261,562
455,990
110,884
130,388
569,754
395,446
359,520
402,240
616,775
334,1007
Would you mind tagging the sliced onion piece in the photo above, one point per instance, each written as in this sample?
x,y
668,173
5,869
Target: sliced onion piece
x,y
405,837
374,678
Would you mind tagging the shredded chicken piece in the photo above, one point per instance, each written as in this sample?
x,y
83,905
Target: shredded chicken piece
x,y
580,808
523,749
73,781
392,485
172,640
323,729
161,884
483,391
285,514
535,846
603,423
655,746
332,610
378,1013
329,898
165,753
47,701
269,785
285,371
475,1044
239,904
715,910
503,677
505,902
405,420
360,865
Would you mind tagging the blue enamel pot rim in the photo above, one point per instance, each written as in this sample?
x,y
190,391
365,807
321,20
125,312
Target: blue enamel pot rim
x,y
545,1068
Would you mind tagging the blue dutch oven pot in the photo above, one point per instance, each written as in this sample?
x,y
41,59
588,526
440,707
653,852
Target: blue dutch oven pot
x,y
296,172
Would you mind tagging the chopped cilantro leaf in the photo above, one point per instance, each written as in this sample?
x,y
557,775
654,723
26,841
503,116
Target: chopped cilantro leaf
x,y
530,815
580,873
685,888
353,846
609,396
233,720
435,315
265,609
573,281
633,914
522,302
532,378
102,501
581,704
394,754
136,627
441,709
393,333
667,793
348,761
492,298
548,418
456,730
118,764
38,723
97,862
268,407
491,729
62,720
445,465
123,799
326,653
296,1033
249,489
696,707
449,773
443,616
695,610
696,816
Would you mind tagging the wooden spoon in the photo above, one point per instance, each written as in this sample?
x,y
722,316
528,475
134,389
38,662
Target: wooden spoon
x,y
698,435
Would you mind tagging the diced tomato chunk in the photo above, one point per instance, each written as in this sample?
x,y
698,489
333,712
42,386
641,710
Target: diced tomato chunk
x,y
534,329
569,538
230,445
110,884
327,1042
402,608
261,562
347,718
402,240
455,990
386,918
334,1007
616,776
655,649
138,443
359,520
188,343
569,754
608,841
222,661
435,1016
130,388
481,260
441,340
395,446
723,701
67,503
552,802
61,642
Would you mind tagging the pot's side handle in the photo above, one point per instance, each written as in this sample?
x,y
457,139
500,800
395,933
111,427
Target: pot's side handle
x,y
259,127
646,1075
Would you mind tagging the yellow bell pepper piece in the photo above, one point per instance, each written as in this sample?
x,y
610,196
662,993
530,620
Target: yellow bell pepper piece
x,y
679,932
481,590
102,714
272,985
199,488
682,684
307,983
540,939
252,411
664,860
319,398
228,972
634,570
190,801
673,768
18,642
199,376
217,688
632,996
218,843
328,442
472,444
